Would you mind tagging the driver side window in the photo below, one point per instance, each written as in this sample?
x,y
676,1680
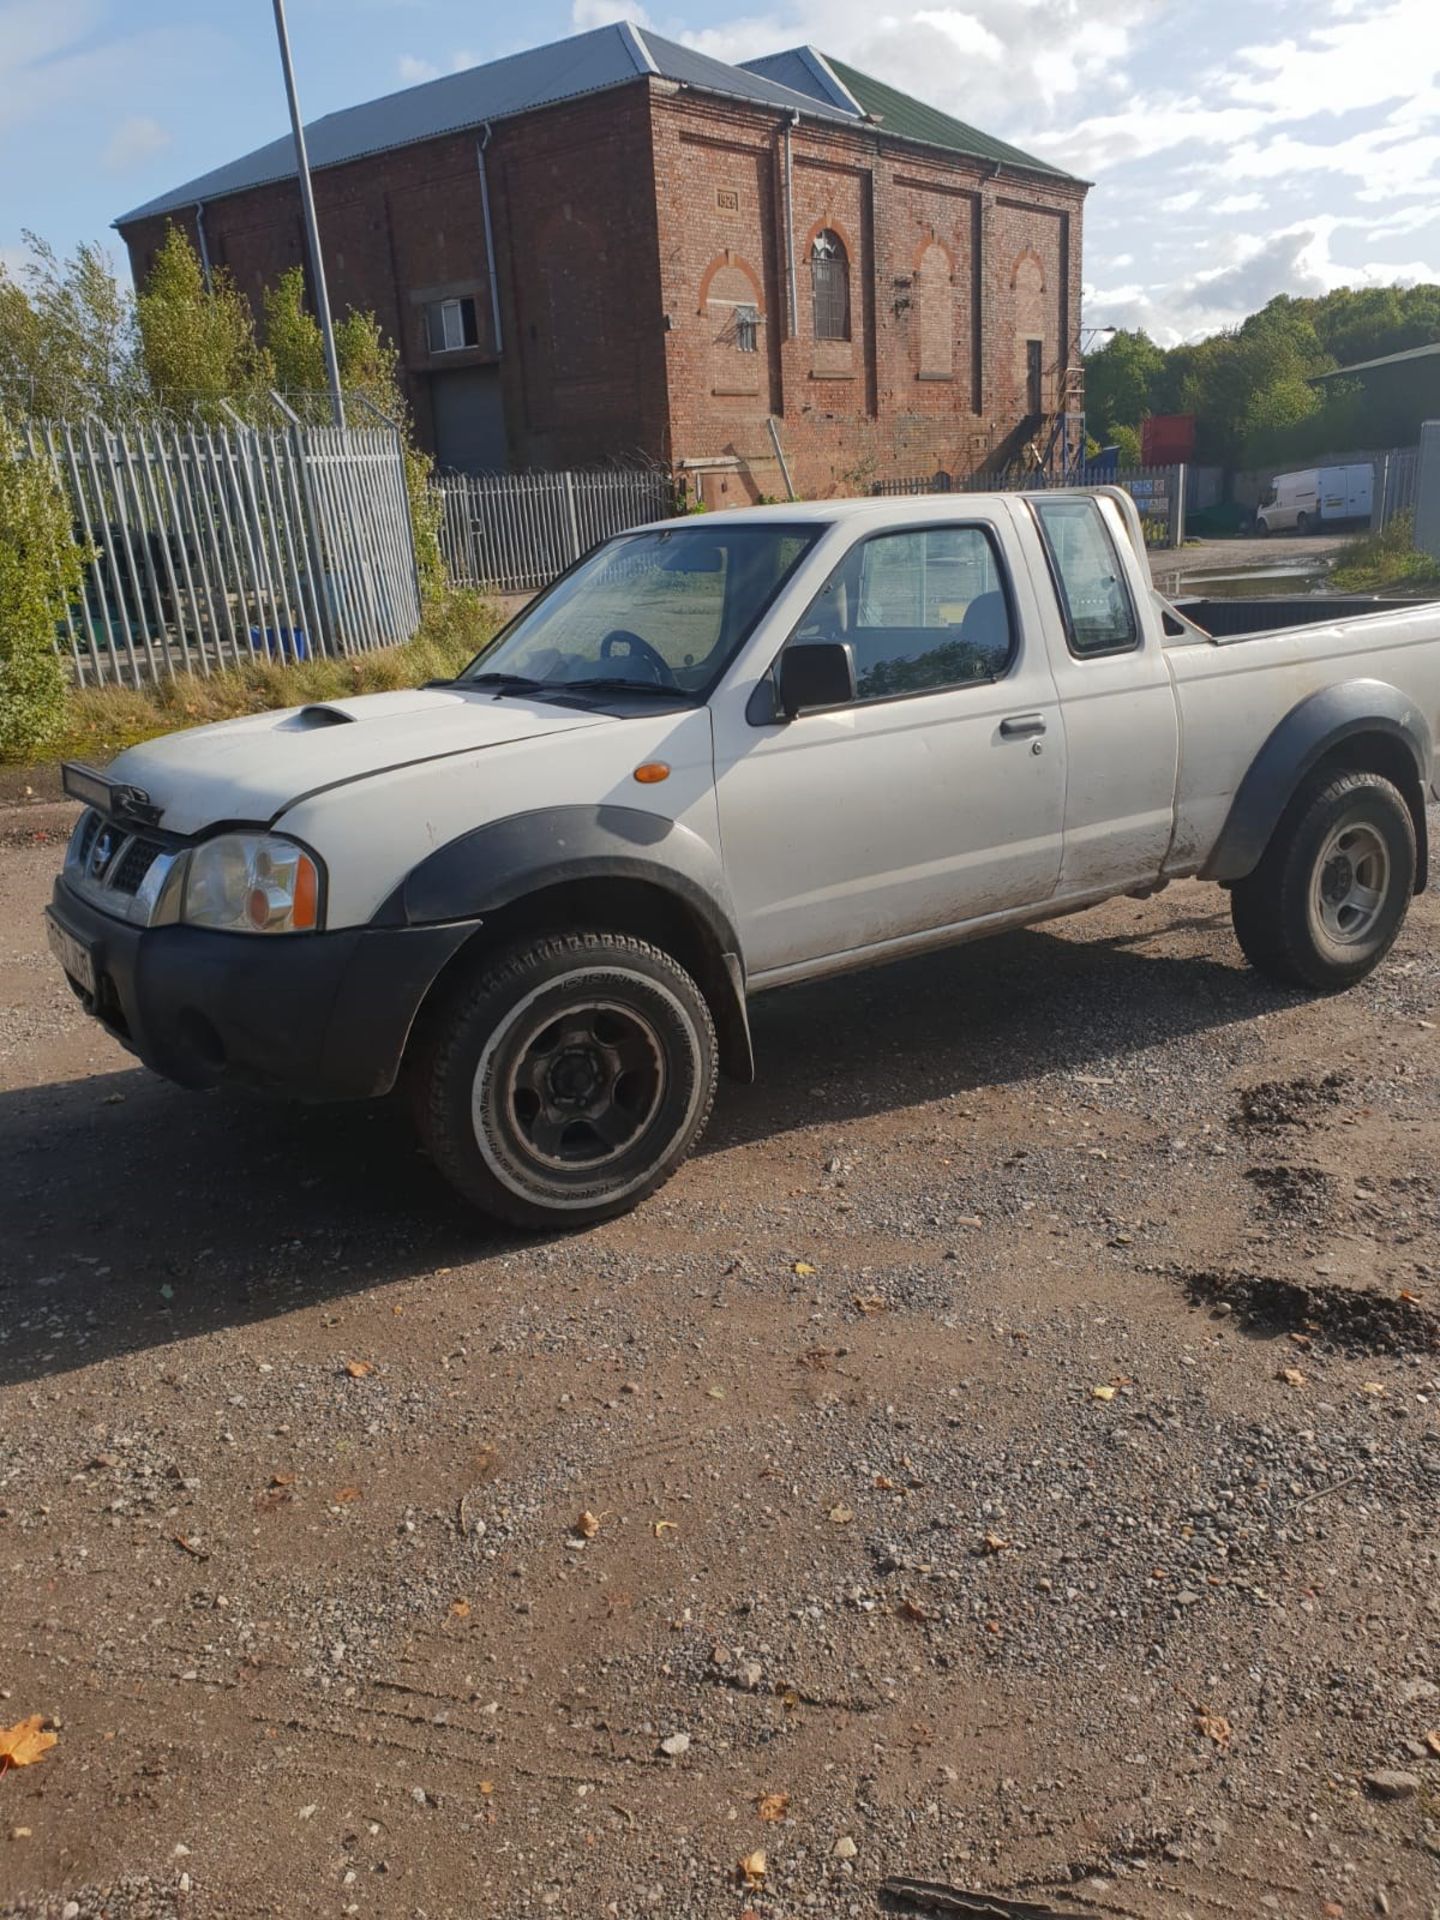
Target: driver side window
x,y
921,611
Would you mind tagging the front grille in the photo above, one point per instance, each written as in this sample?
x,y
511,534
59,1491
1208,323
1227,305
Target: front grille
x,y
110,862
133,865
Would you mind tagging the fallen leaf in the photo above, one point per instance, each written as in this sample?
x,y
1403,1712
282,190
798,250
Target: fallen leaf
x,y
773,1806
751,1870
1292,1376
662,1527
1372,1386
282,1479
359,1369
460,1609
1215,1727
190,1547
1432,1740
912,1610
804,1269
884,1483
1404,1295
25,1743
346,1495
994,1543
588,1525
1102,1393
714,1393
869,1303
487,1787
1301,1340
841,1516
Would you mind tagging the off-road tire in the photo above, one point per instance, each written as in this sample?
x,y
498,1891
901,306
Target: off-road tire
x,y
487,1035
1276,910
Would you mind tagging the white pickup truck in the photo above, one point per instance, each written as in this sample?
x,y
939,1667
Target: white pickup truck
x,y
718,756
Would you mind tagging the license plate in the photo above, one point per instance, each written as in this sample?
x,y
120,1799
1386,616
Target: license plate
x,y
73,956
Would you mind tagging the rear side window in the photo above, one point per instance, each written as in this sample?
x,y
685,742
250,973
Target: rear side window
x,y
1099,614
921,611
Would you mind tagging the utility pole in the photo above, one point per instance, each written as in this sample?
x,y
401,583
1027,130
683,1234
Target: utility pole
x,y
312,225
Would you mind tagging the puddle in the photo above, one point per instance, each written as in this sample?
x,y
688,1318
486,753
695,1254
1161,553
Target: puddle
x,y
1359,1319
1247,583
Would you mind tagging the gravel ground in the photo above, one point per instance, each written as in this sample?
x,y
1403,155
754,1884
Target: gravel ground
x,y
1007,1456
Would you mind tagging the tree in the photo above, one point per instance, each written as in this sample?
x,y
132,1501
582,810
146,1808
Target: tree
x,y
40,573
1118,381
67,336
198,343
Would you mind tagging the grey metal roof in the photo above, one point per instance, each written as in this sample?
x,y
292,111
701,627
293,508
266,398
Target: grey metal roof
x,y
606,57
593,62
1385,360
806,71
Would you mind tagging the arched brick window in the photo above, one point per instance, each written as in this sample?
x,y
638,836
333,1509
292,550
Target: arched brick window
x,y
830,285
935,311
1027,282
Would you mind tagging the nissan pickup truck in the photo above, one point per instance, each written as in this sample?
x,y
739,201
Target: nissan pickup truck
x,y
718,756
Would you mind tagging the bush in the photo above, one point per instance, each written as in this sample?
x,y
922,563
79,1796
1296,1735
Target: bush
x,y
1386,559
40,571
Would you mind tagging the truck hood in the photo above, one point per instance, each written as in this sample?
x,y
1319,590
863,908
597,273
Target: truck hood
x,y
253,769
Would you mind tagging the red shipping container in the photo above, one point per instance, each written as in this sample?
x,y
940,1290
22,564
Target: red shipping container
x,y
1167,438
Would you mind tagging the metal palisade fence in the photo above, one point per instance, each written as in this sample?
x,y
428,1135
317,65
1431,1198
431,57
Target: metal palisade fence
x,y
1158,492
211,546
512,533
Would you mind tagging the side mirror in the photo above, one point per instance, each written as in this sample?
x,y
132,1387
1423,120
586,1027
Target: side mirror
x,y
816,673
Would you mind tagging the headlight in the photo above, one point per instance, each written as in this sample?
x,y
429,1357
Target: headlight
x,y
252,883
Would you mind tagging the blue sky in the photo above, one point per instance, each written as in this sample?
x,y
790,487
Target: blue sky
x,y
1238,150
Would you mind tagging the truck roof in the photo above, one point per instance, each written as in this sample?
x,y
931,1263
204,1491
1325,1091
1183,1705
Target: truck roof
x,y
910,506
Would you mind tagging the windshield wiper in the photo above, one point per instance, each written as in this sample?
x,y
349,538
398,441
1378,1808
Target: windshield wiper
x,y
502,682
610,683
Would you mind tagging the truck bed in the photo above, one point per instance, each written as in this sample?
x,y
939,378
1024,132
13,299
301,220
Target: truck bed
x,y
1234,619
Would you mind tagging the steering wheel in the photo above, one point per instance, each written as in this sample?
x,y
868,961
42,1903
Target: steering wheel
x,y
640,651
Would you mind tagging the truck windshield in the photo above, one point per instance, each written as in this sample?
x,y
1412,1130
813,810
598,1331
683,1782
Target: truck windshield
x,y
664,608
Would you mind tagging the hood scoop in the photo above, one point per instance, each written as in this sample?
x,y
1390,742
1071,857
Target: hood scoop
x,y
309,718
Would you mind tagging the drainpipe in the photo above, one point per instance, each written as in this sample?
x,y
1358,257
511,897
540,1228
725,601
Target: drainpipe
x,y
204,243
480,145
792,327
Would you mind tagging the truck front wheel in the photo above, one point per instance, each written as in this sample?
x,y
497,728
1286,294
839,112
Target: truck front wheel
x,y
1330,895
566,1080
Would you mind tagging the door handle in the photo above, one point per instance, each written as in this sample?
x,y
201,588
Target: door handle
x,y
1020,726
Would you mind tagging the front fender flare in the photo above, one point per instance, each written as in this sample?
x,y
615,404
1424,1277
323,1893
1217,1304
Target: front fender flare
x,y
492,866
1312,729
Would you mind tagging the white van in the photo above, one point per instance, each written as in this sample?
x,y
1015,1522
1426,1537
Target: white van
x,y
1318,496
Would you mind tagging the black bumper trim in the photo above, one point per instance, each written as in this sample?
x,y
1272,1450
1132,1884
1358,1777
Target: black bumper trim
x,y
321,1016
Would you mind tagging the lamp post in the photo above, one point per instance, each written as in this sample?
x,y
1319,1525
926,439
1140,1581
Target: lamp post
x,y
312,225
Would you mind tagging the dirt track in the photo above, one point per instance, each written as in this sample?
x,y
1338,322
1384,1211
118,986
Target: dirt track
x,y
948,1482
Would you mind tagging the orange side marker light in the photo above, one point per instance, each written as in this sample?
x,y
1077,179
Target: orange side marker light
x,y
651,772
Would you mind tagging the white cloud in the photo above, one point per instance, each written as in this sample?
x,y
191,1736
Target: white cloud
x,y
415,71
1182,202
133,142
604,13
1239,203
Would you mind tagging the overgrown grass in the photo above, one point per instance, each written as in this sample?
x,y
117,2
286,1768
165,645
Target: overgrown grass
x,y
1378,561
100,721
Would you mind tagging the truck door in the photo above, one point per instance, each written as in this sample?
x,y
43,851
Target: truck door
x,y
937,796
1122,732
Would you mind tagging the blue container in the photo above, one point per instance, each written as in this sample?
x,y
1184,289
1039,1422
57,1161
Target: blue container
x,y
286,643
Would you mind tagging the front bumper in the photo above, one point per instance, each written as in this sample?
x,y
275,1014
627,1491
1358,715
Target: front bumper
x,y
322,1016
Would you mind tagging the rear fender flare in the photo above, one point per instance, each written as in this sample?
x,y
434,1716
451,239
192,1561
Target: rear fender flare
x,y
1311,731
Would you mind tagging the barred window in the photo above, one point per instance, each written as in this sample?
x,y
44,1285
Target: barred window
x,y
830,284
747,329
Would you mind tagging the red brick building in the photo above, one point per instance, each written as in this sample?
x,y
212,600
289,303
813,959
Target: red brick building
x,y
617,247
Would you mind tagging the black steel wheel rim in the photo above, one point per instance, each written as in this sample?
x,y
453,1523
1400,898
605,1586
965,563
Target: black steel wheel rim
x,y
582,1085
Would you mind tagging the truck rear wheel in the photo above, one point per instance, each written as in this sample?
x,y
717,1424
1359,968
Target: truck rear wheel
x,y
565,1083
1330,895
